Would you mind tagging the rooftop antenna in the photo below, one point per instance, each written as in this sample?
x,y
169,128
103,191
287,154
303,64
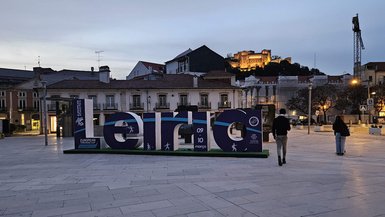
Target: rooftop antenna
x,y
98,53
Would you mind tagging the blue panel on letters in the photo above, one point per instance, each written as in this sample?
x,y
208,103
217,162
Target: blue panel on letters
x,y
169,122
200,131
81,142
149,131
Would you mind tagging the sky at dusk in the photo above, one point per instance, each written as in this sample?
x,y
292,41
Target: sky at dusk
x,y
66,33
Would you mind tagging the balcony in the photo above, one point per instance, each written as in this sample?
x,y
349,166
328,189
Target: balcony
x,y
162,105
183,104
96,106
224,104
137,106
27,109
110,106
204,105
51,107
3,109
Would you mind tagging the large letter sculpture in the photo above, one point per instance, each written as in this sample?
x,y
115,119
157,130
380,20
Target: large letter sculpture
x,y
252,139
201,125
169,128
151,134
159,131
83,125
123,130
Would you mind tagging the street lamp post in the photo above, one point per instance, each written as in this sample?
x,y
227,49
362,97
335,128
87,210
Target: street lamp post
x,y
356,81
309,115
45,127
367,101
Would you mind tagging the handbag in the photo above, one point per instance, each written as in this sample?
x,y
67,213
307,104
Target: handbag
x,y
345,131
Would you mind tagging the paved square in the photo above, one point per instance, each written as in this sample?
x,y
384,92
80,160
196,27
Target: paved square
x,y
36,180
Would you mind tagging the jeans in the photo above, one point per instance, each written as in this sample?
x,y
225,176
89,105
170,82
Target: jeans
x,y
340,143
281,141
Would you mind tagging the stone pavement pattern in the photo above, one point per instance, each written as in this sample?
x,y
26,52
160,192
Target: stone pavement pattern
x,y
36,180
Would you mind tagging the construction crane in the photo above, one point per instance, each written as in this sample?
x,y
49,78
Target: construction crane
x,y
358,46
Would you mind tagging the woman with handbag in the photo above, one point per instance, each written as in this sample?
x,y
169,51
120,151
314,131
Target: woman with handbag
x,y
341,131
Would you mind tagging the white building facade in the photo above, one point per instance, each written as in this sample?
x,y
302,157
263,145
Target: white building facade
x,y
165,94
145,68
278,90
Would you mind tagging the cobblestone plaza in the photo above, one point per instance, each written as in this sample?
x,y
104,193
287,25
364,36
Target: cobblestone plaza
x,y
38,180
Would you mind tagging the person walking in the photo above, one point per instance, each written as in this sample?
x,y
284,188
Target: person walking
x,y
280,127
341,131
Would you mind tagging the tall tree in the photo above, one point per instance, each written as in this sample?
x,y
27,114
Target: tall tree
x,y
324,98
350,99
379,98
300,103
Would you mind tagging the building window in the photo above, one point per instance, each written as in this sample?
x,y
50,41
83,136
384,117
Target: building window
x,y
35,95
110,100
2,103
162,100
183,99
136,101
2,100
204,100
224,103
52,105
22,100
22,94
36,104
94,101
21,104
224,98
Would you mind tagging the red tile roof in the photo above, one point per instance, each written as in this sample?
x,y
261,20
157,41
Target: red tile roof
x,y
217,75
155,66
167,81
377,66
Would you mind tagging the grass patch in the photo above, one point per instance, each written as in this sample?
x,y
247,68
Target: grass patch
x,y
180,152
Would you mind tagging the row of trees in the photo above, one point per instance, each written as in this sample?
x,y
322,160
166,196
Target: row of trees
x,y
284,68
345,100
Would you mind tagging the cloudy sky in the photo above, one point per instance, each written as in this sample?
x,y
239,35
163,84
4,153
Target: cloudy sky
x,y
66,33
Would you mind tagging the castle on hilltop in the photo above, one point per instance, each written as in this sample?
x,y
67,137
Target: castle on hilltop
x,y
249,60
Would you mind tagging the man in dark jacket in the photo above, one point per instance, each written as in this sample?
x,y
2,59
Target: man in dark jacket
x,y
280,127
